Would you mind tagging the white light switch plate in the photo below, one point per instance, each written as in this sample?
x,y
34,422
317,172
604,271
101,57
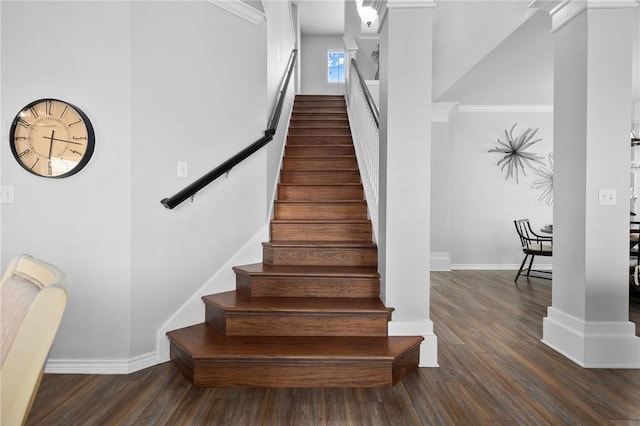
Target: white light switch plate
x,y
6,194
607,197
183,169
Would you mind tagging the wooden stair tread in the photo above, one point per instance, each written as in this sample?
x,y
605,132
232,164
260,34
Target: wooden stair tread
x,y
202,343
264,269
320,244
233,301
321,221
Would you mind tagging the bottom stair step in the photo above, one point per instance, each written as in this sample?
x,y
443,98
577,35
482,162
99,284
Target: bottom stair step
x,y
209,359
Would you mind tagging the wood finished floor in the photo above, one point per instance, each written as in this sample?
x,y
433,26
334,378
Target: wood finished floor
x,y
493,370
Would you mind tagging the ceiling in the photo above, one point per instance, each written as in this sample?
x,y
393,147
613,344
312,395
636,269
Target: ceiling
x,y
321,17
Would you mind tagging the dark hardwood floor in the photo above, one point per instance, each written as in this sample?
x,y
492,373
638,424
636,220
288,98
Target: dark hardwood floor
x,y
493,370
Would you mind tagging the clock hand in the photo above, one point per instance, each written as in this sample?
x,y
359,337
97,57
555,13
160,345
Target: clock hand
x,y
61,140
51,143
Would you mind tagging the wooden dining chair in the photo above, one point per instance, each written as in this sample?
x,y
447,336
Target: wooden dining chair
x,y
532,245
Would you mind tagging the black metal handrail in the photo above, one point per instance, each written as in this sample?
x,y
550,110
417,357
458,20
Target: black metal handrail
x,y
367,95
190,190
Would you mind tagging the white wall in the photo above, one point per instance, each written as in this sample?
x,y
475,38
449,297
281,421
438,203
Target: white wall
x,y
481,204
199,101
282,29
162,82
466,31
314,65
78,52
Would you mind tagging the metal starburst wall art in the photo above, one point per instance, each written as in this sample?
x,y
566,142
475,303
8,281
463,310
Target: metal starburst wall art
x,y
545,183
516,156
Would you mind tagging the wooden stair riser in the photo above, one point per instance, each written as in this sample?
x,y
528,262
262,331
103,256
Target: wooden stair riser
x,y
331,211
320,109
319,98
319,117
319,151
288,192
314,131
321,231
295,324
319,140
310,177
340,103
326,256
300,123
322,163
294,375
287,286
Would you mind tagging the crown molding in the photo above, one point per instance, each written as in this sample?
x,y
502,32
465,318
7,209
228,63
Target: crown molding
x,y
564,11
440,111
241,10
411,4
505,108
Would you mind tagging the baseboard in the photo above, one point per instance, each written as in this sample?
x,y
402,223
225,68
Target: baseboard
x,y
101,366
440,261
496,267
592,344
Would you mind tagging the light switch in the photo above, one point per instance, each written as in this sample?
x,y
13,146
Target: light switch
x,y
183,169
607,197
6,194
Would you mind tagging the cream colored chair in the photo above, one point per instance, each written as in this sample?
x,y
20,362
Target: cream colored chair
x,y
33,296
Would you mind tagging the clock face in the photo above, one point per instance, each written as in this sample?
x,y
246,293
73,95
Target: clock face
x,y
52,138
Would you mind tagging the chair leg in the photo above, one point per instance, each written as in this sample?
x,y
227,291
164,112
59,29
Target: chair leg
x,y
521,267
530,264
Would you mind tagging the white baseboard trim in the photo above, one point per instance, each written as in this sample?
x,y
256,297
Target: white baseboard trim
x,y
192,311
496,267
101,366
440,261
592,344
424,328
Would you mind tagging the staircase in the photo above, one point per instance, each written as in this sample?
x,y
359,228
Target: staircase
x,y
309,315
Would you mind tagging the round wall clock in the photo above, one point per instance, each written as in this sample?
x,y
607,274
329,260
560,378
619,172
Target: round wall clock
x,y
52,138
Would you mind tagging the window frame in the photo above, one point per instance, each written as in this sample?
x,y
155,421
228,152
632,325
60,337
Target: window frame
x,y
341,69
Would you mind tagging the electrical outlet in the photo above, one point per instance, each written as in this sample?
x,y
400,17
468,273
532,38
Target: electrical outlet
x,y
6,194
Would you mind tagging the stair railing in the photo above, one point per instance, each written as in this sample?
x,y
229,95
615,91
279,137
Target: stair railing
x,y
364,122
190,190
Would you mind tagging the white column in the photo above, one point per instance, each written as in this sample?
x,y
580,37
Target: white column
x,y
405,167
588,321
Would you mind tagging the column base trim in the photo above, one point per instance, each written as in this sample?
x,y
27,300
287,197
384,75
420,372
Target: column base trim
x,y
591,344
424,328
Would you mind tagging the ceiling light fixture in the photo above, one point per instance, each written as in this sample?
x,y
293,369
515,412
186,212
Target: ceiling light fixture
x,y
367,11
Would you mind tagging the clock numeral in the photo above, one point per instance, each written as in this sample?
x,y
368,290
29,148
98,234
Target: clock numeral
x,y
75,122
75,152
64,111
34,112
50,169
79,138
24,124
25,152
35,163
20,138
49,107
